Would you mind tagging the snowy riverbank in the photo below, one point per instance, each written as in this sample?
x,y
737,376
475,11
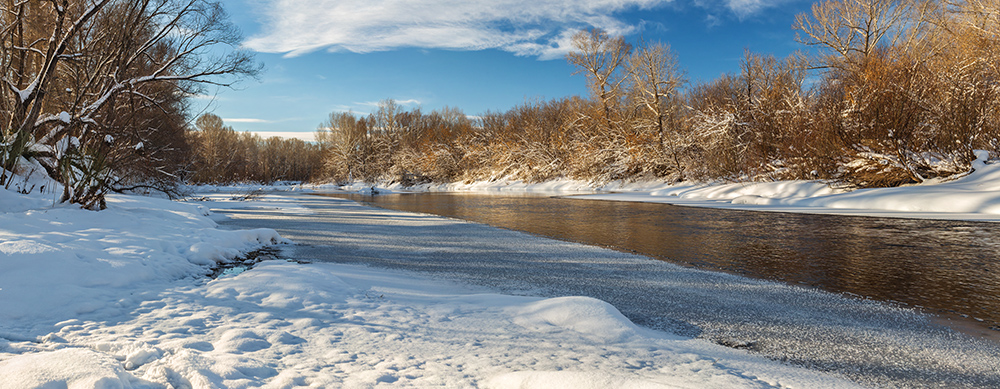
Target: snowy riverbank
x,y
119,299
973,197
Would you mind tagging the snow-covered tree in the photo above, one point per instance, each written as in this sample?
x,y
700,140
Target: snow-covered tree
x,y
601,57
655,80
82,78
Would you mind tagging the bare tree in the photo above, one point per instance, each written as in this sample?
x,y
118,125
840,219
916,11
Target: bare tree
x,y
349,146
853,29
656,79
104,60
600,57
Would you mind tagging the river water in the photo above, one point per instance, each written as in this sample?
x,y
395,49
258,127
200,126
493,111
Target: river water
x,y
949,268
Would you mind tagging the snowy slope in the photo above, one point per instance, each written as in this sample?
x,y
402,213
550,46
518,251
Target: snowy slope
x,y
975,196
325,325
62,262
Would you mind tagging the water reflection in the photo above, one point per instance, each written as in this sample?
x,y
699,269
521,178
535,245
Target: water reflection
x,y
945,266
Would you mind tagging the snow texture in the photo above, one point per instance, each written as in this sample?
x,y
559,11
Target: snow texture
x,y
117,299
975,196
61,260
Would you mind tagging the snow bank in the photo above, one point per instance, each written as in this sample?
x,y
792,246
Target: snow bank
x,y
16,202
62,262
589,317
280,186
975,196
72,368
269,201
782,189
328,325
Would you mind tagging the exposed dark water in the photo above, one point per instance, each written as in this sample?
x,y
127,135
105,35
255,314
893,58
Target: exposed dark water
x,y
945,267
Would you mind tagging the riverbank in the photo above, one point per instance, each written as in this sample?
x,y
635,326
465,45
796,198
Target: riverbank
x,y
971,197
974,196
120,299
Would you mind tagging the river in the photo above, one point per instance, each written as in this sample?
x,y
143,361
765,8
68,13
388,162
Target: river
x,y
873,343
948,268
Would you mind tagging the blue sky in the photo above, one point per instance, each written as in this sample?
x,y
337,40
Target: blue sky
x,y
324,56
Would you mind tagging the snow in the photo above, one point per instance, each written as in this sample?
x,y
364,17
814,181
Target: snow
x,y
25,93
60,260
118,299
16,202
324,325
975,196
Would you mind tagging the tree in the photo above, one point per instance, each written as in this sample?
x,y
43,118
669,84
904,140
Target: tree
x,y
220,154
348,145
852,30
656,79
77,92
600,57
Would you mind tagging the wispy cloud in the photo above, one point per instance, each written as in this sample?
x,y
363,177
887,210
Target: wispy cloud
x,y
524,27
244,120
406,102
742,9
541,28
366,107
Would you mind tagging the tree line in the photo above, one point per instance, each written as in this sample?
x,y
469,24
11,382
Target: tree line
x,y
221,155
95,94
894,92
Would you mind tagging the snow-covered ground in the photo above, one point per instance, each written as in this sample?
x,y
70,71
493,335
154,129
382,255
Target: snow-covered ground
x,y
120,299
975,196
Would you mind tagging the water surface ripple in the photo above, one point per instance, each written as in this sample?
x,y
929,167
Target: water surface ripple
x,y
945,267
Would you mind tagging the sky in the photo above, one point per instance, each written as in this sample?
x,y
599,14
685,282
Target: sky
x,y
326,56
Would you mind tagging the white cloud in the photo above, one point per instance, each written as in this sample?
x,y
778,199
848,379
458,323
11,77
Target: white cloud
x,y
405,102
712,20
524,27
244,120
744,8
366,107
408,102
